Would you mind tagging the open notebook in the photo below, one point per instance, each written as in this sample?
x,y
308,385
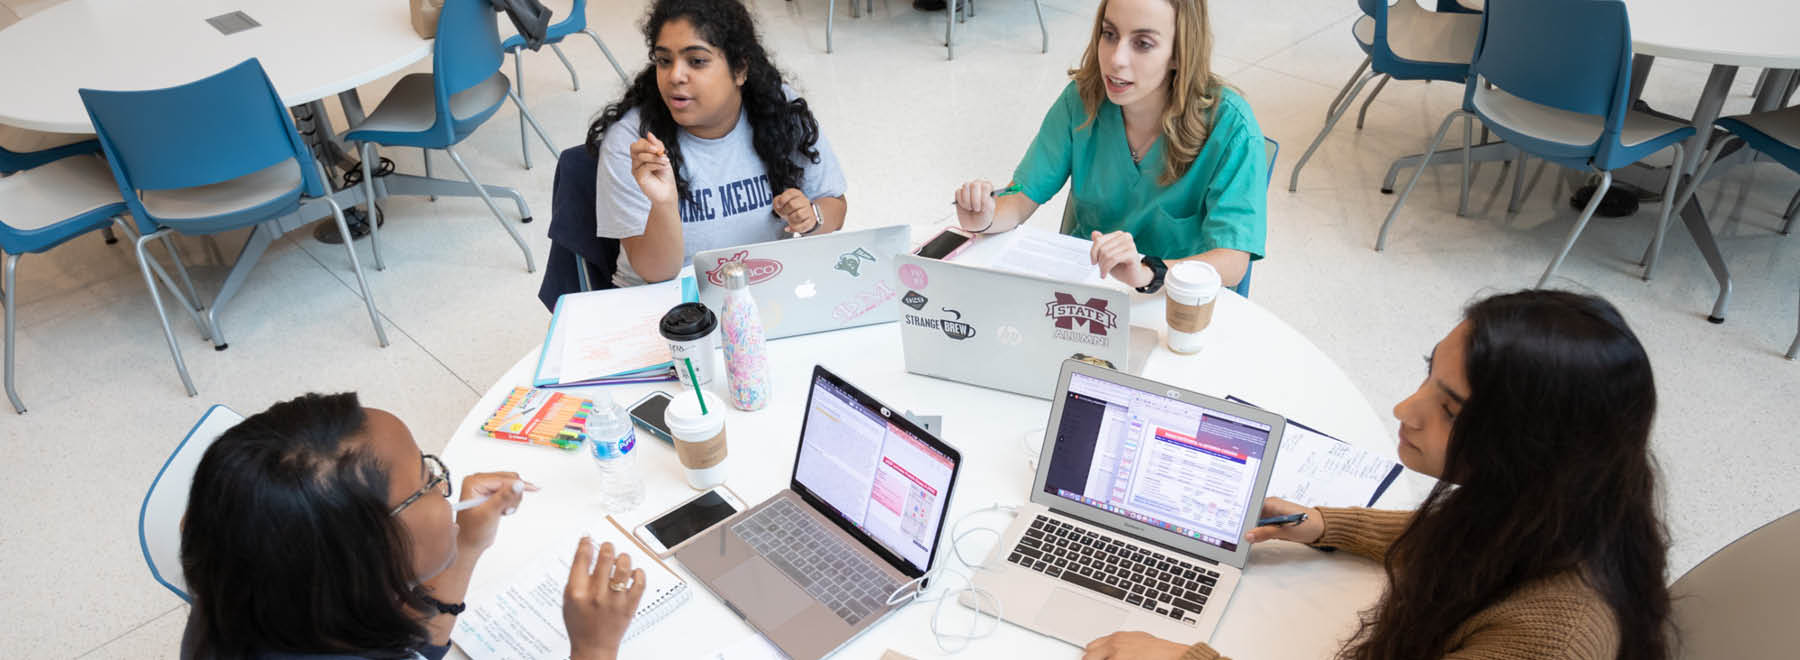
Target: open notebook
x,y
524,621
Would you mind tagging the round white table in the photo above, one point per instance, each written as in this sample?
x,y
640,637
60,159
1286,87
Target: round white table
x,y
311,50
1294,602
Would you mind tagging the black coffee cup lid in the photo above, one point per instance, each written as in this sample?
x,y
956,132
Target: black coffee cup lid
x,y
687,322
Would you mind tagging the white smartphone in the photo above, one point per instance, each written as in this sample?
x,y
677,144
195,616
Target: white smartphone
x,y
669,529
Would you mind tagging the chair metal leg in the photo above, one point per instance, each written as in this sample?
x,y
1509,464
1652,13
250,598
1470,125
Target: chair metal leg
x,y
608,53
144,261
424,155
1345,90
1654,251
187,283
1294,178
1043,31
11,315
1512,203
530,262
1793,209
337,213
1381,239
1462,203
1668,211
535,126
831,20
519,82
368,156
1793,349
950,29
1363,112
1580,224
574,80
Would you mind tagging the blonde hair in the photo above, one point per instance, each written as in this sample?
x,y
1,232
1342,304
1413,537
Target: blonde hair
x,y
1193,89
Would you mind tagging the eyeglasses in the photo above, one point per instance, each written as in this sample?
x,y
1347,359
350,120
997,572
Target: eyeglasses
x,y
435,475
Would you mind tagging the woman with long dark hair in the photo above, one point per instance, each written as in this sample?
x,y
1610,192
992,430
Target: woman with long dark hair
x,y
1541,539
708,148
317,529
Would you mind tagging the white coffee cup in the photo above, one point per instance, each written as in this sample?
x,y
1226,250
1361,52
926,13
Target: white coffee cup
x,y
1192,288
699,438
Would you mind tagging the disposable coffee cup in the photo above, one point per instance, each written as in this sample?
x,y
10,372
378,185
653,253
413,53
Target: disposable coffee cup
x,y
699,437
689,329
1192,288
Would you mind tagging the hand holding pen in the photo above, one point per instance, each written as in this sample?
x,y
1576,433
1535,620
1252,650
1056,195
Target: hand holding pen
x,y
975,203
1287,521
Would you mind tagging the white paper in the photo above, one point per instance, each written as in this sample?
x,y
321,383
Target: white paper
x,y
754,647
1314,469
1034,251
613,331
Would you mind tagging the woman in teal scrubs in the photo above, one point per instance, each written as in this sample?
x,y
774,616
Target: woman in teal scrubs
x,y
1167,161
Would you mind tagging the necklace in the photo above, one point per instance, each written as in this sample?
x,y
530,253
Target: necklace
x,y
1137,154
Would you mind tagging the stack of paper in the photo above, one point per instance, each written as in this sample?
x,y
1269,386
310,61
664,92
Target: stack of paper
x,y
610,337
1030,250
1314,469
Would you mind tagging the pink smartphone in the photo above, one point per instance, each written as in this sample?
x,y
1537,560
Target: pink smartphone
x,y
948,243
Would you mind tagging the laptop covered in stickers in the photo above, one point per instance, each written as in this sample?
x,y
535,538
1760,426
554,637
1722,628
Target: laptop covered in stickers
x,y
833,281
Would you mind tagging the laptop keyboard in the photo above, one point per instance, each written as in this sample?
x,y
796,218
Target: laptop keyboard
x,y
824,565
1141,577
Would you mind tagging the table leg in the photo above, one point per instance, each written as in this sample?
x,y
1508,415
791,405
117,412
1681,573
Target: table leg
x,y
1712,98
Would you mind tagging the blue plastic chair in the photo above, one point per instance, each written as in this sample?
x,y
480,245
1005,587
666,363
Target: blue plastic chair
x,y
1560,72
41,208
575,23
1270,147
439,109
1775,134
165,503
13,161
1403,42
210,156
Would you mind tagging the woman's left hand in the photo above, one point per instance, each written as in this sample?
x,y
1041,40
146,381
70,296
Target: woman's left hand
x,y
478,525
794,208
1116,254
1133,646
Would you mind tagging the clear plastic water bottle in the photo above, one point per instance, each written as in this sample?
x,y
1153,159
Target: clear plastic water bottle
x,y
613,443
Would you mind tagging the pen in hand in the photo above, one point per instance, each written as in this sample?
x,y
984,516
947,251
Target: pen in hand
x,y
1009,190
1282,521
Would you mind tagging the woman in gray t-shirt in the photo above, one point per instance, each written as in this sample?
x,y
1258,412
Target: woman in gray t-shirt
x,y
708,148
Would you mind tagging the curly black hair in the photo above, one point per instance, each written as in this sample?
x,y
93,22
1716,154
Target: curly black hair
x,y
782,128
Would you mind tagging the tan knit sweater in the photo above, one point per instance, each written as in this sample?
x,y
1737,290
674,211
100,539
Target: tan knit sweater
x,y
1557,618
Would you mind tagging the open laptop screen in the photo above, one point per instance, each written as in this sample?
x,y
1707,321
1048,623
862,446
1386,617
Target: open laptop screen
x,y
1160,461
885,481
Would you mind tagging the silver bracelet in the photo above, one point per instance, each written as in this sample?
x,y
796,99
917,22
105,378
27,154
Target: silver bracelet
x,y
818,220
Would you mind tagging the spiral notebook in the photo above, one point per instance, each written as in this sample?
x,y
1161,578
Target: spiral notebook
x,y
524,621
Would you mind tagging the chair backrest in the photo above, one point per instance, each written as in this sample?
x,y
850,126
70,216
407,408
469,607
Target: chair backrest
x,y
212,130
159,520
466,53
1740,602
1572,55
1271,148
576,21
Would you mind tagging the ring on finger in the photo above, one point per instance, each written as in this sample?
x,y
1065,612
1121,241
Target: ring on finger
x,y
620,586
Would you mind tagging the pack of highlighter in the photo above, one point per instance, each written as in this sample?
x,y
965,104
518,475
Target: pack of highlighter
x,y
540,417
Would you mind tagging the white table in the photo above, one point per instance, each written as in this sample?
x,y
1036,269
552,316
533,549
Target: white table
x,y
1726,34
311,50
1249,353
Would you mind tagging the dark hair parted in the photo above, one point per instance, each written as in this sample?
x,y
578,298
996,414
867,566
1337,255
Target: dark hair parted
x,y
288,546
782,129
1548,471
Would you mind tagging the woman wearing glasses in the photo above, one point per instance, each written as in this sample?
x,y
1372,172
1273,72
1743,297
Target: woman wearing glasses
x,y
317,529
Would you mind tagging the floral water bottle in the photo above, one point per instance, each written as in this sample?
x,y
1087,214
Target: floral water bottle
x,y
746,359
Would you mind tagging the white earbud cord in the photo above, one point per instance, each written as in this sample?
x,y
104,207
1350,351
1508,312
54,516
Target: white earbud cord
x,y
913,591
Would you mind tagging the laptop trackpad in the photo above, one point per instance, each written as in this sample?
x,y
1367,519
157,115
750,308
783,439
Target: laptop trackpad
x,y
1077,618
766,597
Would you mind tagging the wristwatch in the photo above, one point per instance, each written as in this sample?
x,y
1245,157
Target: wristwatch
x,y
1158,270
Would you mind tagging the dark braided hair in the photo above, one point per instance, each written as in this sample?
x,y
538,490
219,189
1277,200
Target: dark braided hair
x,y
782,128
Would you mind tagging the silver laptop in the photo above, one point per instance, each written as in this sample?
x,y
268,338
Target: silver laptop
x,y
813,566
1138,513
812,284
1005,330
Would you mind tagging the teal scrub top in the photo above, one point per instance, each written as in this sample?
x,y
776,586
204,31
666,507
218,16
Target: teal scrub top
x,y
1222,201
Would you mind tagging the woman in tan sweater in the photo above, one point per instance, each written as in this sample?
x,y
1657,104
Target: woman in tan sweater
x,y
1541,540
